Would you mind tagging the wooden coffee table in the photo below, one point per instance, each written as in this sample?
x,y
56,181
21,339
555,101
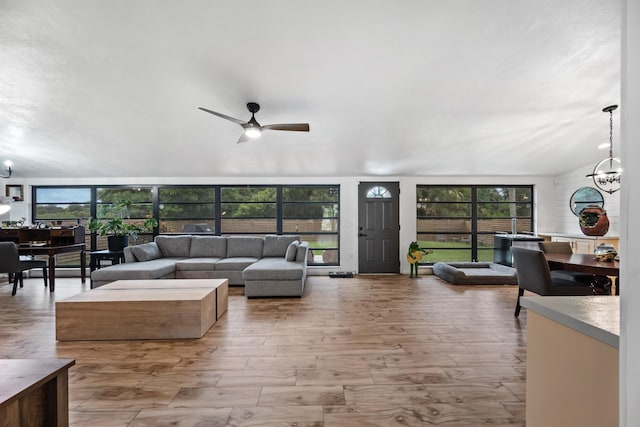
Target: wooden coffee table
x,y
143,309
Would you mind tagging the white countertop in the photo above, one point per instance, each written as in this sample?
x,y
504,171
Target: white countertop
x,y
594,316
576,235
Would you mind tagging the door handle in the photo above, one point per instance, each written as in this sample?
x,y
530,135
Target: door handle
x,y
361,235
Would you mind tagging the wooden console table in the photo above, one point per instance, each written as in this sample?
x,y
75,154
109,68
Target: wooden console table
x,y
34,392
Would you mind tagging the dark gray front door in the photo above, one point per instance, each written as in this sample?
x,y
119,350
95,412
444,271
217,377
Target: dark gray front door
x,y
378,227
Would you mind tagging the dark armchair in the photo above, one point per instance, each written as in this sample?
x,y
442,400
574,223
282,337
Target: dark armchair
x,y
11,263
534,276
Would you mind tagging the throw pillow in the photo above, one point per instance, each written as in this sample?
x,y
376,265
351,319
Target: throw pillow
x,y
146,251
292,250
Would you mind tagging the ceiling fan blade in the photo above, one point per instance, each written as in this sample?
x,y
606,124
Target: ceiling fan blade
x,y
224,116
299,127
243,138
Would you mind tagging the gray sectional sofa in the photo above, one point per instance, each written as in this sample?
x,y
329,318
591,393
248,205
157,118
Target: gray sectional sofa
x,y
267,266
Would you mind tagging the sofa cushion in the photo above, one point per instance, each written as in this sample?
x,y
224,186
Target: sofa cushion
x,y
274,269
208,246
197,264
244,246
146,251
153,269
292,251
174,246
235,263
277,245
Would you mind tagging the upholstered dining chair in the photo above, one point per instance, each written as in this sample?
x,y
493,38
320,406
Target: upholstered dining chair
x,y
11,263
535,276
601,284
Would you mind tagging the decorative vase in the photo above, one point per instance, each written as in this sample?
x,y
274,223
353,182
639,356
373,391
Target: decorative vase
x,y
594,221
117,243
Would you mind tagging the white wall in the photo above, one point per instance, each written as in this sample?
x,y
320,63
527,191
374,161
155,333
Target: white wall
x,y
630,227
543,187
564,220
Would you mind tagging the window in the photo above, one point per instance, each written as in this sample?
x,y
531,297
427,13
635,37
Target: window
x,y
378,192
141,208
63,206
185,209
458,222
248,210
311,211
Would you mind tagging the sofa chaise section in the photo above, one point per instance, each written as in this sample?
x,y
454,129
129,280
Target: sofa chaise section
x,y
278,276
161,268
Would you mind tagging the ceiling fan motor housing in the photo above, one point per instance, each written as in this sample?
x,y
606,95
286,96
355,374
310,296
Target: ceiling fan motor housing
x,y
253,107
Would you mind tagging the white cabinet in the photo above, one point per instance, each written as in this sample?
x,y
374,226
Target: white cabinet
x,y
582,245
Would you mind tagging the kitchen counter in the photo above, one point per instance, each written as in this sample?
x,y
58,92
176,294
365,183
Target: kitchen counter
x,y
597,316
572,361
578,236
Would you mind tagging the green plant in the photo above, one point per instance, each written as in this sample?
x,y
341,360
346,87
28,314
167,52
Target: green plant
x,y
112,222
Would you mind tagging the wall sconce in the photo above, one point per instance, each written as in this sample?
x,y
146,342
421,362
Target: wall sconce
x,y
9,167
606,174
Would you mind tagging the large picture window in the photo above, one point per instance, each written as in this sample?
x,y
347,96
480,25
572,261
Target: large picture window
x,y
458,222
186,209
63,207
248,210
311,211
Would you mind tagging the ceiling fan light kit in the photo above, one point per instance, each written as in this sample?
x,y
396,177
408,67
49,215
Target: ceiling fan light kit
x,y
253,129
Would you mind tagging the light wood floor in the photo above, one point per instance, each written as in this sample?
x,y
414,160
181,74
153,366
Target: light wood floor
x,y
368,351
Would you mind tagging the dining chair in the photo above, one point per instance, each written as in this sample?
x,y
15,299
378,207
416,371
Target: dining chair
x,y
601,284
535,276
11,263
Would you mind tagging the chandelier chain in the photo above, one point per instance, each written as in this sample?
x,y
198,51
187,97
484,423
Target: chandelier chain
x,y
610,133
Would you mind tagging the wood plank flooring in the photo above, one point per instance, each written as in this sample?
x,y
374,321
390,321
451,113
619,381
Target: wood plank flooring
x,y
379,350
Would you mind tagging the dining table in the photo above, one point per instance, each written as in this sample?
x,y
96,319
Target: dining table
x,y
51,252
585,263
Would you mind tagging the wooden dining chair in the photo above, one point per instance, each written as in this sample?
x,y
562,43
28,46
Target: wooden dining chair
x,y
535,276
11,263
601,284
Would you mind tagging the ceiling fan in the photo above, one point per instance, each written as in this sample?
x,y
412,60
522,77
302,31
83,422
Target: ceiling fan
x,y
253,129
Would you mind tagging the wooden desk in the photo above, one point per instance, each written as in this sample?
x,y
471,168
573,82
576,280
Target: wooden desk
x,y
34,392
585,263
52,251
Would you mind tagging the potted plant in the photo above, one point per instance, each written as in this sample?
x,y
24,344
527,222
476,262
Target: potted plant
x,y
112,224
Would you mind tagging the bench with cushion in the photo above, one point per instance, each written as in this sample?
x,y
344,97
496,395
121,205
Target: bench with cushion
x,y
475,273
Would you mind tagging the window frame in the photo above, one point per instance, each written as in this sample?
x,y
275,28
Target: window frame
x,y
474,218
217,189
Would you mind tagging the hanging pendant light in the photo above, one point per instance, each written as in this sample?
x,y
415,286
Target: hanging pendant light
x,y
606,174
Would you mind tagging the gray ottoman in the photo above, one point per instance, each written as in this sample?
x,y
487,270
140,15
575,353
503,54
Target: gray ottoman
x,y
475,273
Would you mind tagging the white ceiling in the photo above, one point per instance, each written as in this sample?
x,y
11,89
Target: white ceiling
x,y
94,88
